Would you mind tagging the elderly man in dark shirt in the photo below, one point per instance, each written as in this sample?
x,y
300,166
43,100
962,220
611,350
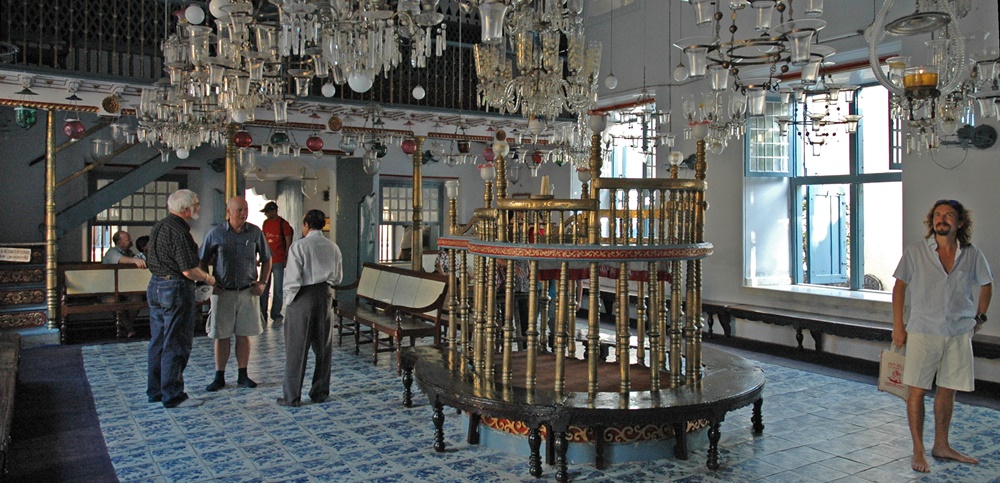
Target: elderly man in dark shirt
x,y
172,257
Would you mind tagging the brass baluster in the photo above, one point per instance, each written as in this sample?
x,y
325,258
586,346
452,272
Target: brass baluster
x,y
452,301
463,310
593,331
532,334
560,335
640,322
622,329
654,330
491,318
508,333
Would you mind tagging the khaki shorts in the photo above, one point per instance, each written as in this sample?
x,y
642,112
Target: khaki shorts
x,y
234,313
948,357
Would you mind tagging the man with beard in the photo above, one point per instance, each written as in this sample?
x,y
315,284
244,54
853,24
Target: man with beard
x,y
936,279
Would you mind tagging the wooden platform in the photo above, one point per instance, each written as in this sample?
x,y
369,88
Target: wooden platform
x,y
729,382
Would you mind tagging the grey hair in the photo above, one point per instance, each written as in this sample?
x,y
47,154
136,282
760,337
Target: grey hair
x,y
181,200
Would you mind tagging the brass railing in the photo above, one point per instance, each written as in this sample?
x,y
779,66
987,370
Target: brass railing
x,y
658,215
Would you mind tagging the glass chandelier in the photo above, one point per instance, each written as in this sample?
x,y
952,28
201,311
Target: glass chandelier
x,y
539,80
819,112
215,75
356,41
750,64
931,95
775,47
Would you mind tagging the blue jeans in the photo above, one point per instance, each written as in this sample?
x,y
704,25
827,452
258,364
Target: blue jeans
x,y
172,313
278,277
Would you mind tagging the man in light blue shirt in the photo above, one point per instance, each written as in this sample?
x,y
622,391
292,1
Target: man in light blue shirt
x,y
314,265
940,275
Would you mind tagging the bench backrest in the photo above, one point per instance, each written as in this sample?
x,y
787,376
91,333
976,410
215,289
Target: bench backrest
x,y
97,278
85,282
387,285
133,279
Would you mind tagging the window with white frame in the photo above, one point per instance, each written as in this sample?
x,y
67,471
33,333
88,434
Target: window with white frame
x,y
135,213
397,216
816,215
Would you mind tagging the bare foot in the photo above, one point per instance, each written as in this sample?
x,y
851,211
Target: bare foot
x,y
949,453
919,463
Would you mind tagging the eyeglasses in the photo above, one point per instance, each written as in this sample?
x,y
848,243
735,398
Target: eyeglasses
x,y
953,203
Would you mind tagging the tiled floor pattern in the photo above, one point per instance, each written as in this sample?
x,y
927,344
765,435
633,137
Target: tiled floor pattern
x,y
818,428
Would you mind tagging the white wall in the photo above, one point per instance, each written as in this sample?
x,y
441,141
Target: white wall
x,y
951,173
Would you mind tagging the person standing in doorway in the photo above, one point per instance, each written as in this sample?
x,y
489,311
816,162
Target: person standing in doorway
x,y
314,265
278,233
937,280
173,261
233,249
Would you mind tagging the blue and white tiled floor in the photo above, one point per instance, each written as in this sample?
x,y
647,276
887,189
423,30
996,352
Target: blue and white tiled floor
x,y
818,428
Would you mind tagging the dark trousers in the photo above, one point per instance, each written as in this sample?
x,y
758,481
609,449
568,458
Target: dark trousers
x,y
307,324
172,313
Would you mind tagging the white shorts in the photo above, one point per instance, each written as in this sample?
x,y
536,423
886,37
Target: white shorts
x,y
234,313
949,357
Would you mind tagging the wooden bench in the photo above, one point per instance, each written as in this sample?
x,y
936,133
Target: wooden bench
x,y
394,301
95,288
10,356
817,325
983,346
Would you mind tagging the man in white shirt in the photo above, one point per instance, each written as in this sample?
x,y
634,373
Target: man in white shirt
x,y
937,278
314,265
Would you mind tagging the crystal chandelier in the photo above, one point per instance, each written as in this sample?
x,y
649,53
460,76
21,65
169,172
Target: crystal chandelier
x,y
931,96
540,80
215,75
356,41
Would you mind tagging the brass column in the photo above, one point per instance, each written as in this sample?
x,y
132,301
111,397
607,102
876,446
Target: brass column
x,y
232,152
51,245
595,175
416,234
694,299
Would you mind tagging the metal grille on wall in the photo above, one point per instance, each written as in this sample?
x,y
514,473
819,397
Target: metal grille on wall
x,y
120,40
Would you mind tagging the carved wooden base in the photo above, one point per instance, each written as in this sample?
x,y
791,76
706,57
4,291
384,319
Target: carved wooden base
x,y
729,383
22,320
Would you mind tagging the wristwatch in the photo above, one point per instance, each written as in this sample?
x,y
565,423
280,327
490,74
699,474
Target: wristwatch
x,y
980,318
